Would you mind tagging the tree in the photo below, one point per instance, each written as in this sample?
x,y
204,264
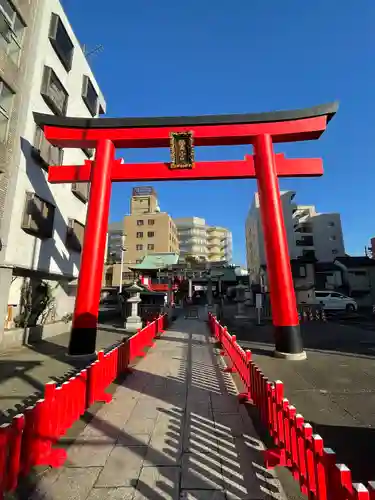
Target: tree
x,y
190,260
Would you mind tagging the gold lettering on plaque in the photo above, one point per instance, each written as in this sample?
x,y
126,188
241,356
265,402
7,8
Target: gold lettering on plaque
x,y
182,150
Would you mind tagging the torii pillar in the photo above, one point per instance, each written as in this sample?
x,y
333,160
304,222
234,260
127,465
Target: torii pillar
x,y
261,130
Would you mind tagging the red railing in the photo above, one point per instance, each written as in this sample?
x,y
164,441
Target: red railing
x,y
296,447
30,439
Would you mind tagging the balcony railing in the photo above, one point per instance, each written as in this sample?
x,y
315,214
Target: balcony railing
x,y
302,228
306,241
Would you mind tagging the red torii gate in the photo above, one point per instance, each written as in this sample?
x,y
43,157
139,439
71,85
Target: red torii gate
x,y
261,130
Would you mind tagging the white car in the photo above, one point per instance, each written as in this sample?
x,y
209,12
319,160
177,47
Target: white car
x,y
335,301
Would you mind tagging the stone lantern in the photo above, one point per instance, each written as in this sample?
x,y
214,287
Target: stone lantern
x,y
208,274
170,275
190,277
134,322
240,299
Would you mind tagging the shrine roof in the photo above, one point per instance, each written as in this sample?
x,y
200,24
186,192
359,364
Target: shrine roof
x,y
156,261
328,110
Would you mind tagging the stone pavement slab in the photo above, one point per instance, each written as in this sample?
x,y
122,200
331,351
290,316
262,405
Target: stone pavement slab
x,y
174,430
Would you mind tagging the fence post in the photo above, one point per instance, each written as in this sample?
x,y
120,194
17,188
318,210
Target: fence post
x,y
246,395
4,443
15,440
101,369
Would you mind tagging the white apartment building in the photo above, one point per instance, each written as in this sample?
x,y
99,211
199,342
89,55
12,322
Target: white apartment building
x,y
115,241
41,224
310,234
204,242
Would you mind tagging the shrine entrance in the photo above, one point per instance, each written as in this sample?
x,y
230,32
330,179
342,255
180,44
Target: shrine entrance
x,y
181,134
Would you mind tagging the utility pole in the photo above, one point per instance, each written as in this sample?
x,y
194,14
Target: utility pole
x,y
123,250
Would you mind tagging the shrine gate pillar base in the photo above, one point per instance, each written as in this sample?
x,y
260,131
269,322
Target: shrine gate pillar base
x,y
288,341
85,318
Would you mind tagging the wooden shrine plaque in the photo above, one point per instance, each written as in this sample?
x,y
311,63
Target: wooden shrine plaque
x,y
182,150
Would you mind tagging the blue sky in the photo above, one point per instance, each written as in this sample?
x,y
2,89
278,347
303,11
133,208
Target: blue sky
x,y
167,57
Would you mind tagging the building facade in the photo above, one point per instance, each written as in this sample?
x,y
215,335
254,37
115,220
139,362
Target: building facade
x,y
192,234
42,69
203,242
219,244
372,248
310,235
147,231
115,240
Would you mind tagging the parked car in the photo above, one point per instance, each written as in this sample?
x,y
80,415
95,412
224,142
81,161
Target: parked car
x,y
335,301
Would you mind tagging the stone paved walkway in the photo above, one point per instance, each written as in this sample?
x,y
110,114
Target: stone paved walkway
x,y
173,430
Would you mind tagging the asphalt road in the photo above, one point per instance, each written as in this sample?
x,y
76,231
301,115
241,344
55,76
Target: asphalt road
x,y
334,388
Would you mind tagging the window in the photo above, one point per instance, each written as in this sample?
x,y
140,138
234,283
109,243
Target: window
x,y
139,247
331,224
115,236
88,152
12,30
6,102
336,295
151,222
150,247
358,273
332,238
74,235
38,216
140,235
44,152
335,251
81,190
151,234
140,222
302,271
89,95
53,92
108,278
61,42
321,294
128,276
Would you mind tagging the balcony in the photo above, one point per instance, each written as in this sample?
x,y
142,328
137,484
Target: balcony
x,y
301,227
305,241
308,254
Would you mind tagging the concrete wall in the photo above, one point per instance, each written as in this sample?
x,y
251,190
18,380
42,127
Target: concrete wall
x,y
328,236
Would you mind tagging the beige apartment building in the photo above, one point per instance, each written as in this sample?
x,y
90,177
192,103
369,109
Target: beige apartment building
x,y
217,245
203,242
147,230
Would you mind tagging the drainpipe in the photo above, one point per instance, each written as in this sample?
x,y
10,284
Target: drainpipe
x,y
344,275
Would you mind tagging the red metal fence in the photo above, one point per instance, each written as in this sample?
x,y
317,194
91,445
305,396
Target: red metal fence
x,y
30,439
295,445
